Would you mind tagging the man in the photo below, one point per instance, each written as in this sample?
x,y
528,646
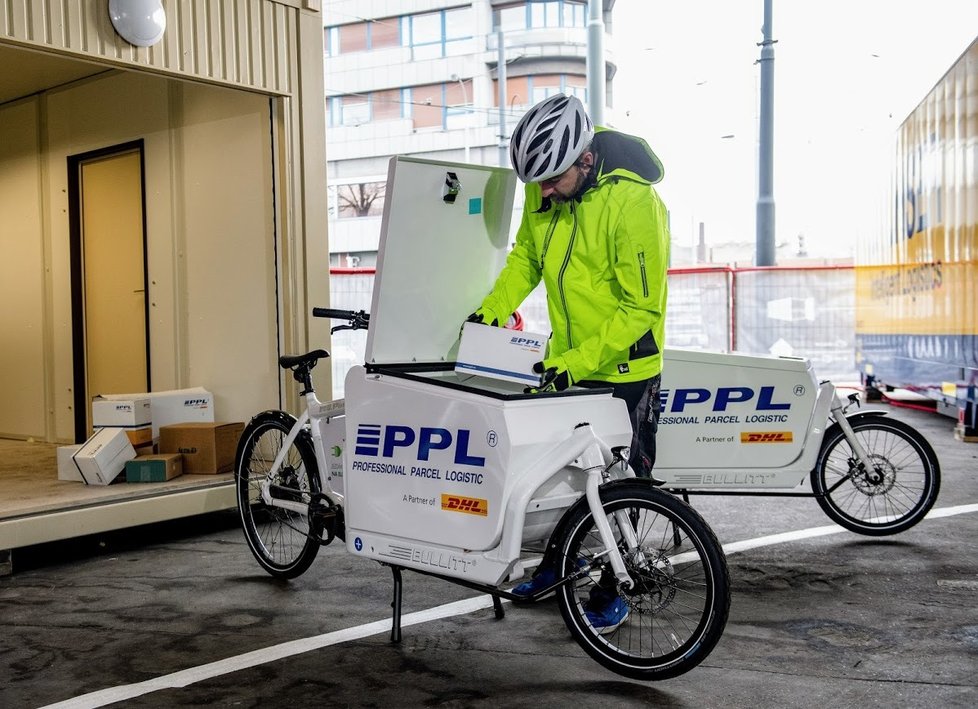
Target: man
x,y
595,231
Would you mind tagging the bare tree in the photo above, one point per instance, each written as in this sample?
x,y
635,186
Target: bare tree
x,y
361,200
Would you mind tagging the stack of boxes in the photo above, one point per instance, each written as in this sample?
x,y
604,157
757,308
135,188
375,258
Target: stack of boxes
x,y
151,437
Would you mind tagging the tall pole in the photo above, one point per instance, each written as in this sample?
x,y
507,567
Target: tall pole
x,y
595,61
765,152
501,81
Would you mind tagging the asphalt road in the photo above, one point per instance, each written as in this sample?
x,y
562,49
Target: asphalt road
x,y
179,614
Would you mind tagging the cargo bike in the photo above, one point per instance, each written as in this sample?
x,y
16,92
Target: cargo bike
x,y
470,479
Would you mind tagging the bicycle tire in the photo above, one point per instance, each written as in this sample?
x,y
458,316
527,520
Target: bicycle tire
x,y
680,600
284,542
895,496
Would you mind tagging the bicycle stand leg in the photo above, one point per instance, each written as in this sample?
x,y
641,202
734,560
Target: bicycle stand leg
x,y
396,605
497,606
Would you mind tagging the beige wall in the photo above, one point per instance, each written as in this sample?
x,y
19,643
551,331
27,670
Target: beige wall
x,y
22,296
210,242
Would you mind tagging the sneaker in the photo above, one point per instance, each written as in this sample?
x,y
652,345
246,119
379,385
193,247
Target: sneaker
x,y
539,581
604,612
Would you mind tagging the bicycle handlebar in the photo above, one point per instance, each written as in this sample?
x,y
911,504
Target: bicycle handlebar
x,y
357,319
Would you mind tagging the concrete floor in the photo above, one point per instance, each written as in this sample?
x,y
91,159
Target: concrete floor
x,y
835,620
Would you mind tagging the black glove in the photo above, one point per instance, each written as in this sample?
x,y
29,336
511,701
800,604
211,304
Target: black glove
x,y
479,316
553,378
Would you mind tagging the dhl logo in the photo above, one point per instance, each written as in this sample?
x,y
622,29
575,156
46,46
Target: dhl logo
x,y
759,437
469,505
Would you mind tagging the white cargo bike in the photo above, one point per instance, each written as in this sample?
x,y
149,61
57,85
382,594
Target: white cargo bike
x,y
466,478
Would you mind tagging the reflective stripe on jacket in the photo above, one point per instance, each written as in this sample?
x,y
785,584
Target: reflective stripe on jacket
x,y
603,261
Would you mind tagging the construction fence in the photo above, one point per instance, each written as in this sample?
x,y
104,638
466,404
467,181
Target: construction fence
x,y
789,311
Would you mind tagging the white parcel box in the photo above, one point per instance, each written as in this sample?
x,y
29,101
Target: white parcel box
x,y
175,406
121,413
103,457
67,470
498,353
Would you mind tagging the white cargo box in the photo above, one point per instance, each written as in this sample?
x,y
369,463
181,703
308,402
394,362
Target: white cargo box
x,y
175,406
121,413
103,457
67,470
499,353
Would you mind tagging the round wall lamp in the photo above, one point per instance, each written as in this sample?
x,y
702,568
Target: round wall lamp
x,y
139,22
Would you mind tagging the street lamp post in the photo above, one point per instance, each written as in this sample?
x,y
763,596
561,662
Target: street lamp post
x,y
468,114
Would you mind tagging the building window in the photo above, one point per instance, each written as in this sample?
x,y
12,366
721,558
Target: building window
x,y
354,110
536,15
362,36
440,34
360,199
525,91
427,105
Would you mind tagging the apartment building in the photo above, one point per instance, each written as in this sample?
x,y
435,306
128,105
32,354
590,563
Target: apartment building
x,y
422,78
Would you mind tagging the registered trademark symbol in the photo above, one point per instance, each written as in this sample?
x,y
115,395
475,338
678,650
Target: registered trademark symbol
x,y
492,439
799,390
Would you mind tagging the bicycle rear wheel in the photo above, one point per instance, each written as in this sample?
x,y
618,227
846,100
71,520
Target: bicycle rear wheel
x,y
678,603
284,542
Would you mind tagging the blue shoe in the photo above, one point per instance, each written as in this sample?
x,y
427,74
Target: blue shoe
x,y
605,614
539,581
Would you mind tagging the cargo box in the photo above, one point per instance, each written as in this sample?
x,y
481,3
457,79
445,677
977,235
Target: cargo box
x,y
207,448
103,456
155,468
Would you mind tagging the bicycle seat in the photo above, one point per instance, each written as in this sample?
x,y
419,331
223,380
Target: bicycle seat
x,y
310,358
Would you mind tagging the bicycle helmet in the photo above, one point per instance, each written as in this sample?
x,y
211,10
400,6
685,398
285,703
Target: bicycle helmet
x,y
550,138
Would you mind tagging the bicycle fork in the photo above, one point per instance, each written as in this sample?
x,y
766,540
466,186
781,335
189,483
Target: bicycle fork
x,y
866,463
596,468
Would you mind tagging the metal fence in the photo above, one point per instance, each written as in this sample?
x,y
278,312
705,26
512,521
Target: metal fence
x,y
803,312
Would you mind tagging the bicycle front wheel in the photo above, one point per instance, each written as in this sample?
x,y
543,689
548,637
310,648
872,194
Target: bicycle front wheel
x,y
283,541
892,497
673,615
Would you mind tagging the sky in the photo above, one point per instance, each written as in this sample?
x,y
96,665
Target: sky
x,y
846,74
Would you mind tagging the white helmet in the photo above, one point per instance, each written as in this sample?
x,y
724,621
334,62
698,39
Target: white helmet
x,y
550,138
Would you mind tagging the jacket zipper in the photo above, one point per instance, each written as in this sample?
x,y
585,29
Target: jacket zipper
x,y
550,233
560,276
645,280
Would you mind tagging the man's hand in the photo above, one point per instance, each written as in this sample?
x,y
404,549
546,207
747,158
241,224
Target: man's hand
x,y
480,317
553,377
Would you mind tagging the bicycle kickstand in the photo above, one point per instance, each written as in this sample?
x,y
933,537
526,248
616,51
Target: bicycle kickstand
x,y
396,605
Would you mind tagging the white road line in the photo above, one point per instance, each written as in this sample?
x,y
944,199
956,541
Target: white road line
x,y
193,675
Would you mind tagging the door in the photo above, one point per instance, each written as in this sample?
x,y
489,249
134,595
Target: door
x,y
111,337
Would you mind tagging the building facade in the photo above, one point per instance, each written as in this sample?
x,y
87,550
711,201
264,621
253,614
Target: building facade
x,y
422,78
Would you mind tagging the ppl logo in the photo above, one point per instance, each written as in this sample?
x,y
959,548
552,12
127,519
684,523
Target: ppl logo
x,y
678,399
383,441
526,342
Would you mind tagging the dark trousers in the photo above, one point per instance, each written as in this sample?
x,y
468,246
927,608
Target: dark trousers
x,y
644,404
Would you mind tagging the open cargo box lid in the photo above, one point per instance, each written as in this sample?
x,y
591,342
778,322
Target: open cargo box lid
x,y
443,240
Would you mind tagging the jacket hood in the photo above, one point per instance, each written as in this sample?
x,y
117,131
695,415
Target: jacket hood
x,y
622,153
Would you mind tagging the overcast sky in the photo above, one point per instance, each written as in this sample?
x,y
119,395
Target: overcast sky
x,y
847,72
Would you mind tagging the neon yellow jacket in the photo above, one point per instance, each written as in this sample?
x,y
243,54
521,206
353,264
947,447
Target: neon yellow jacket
x,y
603,261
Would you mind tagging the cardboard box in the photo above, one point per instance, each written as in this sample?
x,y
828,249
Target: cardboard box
x,y
498,353
140,436
155,468
121,413
67,470
207,448
103,456
174,406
